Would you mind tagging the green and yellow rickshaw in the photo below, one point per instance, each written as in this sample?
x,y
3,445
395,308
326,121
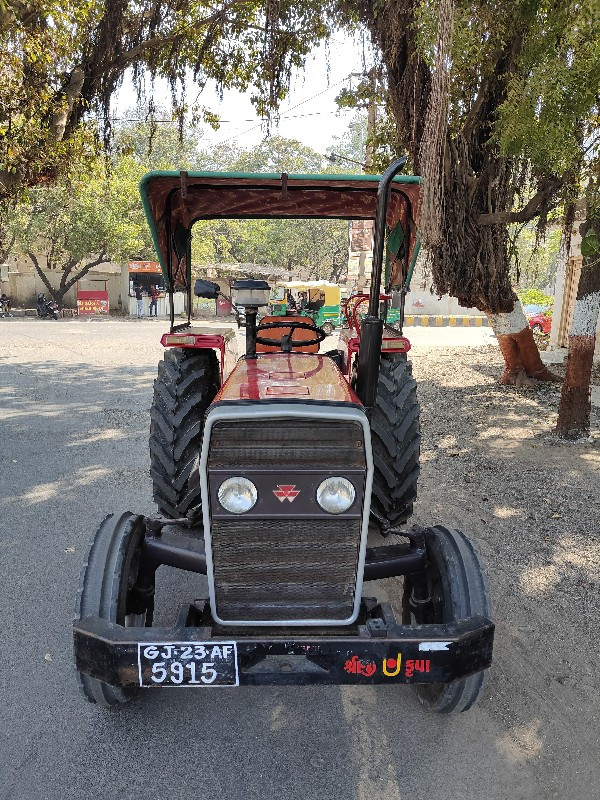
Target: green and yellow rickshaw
x,y
319,300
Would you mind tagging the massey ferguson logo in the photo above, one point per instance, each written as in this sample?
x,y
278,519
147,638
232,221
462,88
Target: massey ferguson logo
x,y
286,492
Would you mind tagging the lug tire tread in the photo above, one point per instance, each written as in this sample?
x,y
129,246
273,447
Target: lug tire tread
x,y
187,383
99,592
396,441
465,583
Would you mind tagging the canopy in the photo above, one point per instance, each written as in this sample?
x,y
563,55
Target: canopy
x,y
173,201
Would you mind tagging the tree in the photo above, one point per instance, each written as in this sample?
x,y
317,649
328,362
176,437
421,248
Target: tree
x,y
278,154
574,407
505,105
534,262
153,139
74,226
347,152
63,59
316,246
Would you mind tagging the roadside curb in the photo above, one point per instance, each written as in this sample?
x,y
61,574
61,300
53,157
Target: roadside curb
x,y
442,321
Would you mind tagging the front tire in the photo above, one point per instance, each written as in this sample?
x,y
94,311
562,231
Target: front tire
x,y
396,442
458,588
187,383
105,586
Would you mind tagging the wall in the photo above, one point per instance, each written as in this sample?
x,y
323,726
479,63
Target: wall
x,y
23,287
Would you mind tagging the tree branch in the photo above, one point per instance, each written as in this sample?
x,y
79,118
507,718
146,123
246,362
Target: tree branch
x,y
6,248
67,269
72,91
474,110
158,42
529,211
39,271
102,259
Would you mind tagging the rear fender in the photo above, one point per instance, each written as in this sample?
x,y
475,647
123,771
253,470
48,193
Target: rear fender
x,y
196,341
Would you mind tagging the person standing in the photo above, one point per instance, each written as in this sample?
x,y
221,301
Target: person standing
x,y
154,295
140,302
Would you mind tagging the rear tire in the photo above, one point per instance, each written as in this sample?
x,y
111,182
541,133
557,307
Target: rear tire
x,y
187,383
458,588
395,440
106,580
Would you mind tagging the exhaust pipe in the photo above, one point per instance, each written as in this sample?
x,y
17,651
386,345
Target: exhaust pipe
x,y
371,329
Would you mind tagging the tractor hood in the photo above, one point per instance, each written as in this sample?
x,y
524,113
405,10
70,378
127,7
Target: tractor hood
x,y
174,201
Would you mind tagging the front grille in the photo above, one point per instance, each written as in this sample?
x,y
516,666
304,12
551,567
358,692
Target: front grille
x,y
291,568
311,443
285,569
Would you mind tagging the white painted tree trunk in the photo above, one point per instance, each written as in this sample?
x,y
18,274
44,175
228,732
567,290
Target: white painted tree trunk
x,y
521,354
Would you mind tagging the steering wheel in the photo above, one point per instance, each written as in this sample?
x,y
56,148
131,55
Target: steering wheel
x,y
286,342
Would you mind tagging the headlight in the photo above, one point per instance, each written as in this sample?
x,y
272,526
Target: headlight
x,y
237,495
335,495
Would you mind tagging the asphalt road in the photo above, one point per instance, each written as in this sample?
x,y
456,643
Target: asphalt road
x,y
74,402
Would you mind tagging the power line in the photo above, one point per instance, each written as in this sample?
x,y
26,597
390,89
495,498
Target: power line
x,y
303,102
223,121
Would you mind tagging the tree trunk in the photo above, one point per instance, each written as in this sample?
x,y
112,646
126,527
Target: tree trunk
x,y
67,278
517,345
574,407
471,260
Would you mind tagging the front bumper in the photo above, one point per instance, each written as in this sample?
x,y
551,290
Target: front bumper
x,y
376,649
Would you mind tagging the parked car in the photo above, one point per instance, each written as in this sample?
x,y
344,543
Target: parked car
x,y
541,322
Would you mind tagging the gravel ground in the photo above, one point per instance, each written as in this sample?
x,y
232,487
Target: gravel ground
x,y
74,401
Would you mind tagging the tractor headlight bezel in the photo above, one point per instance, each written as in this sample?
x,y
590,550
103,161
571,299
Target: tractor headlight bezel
x,y
336,495
237,495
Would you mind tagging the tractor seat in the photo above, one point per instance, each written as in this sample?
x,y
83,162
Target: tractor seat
x,y
299,335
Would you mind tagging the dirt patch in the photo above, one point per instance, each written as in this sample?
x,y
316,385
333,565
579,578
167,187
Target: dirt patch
x,y
492,467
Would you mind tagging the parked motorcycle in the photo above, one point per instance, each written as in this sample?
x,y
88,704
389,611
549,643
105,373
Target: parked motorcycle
x,y
5,306
46,308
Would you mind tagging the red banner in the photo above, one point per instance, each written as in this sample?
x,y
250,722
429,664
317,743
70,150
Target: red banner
x,y
92,302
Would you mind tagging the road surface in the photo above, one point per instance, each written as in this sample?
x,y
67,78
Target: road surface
x,y
74,416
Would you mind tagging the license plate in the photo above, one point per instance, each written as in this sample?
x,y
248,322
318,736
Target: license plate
x,y
188,664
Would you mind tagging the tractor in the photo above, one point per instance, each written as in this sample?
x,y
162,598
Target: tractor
x,y
270,481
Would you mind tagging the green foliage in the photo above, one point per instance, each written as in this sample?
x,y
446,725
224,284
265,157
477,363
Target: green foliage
x,y
62,59
347,152
373,149
546,116
154,141
534,261
278,154
274,154
36,96
318,247
550,57
94,214
535,297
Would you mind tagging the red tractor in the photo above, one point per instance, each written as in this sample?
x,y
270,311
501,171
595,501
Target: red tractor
x,y
268,483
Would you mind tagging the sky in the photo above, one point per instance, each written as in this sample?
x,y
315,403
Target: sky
x,y
309,114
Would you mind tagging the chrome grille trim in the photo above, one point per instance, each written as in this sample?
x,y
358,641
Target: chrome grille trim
x,y
262,411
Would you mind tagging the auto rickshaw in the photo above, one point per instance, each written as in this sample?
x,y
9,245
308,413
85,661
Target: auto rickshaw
x,y
319,300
